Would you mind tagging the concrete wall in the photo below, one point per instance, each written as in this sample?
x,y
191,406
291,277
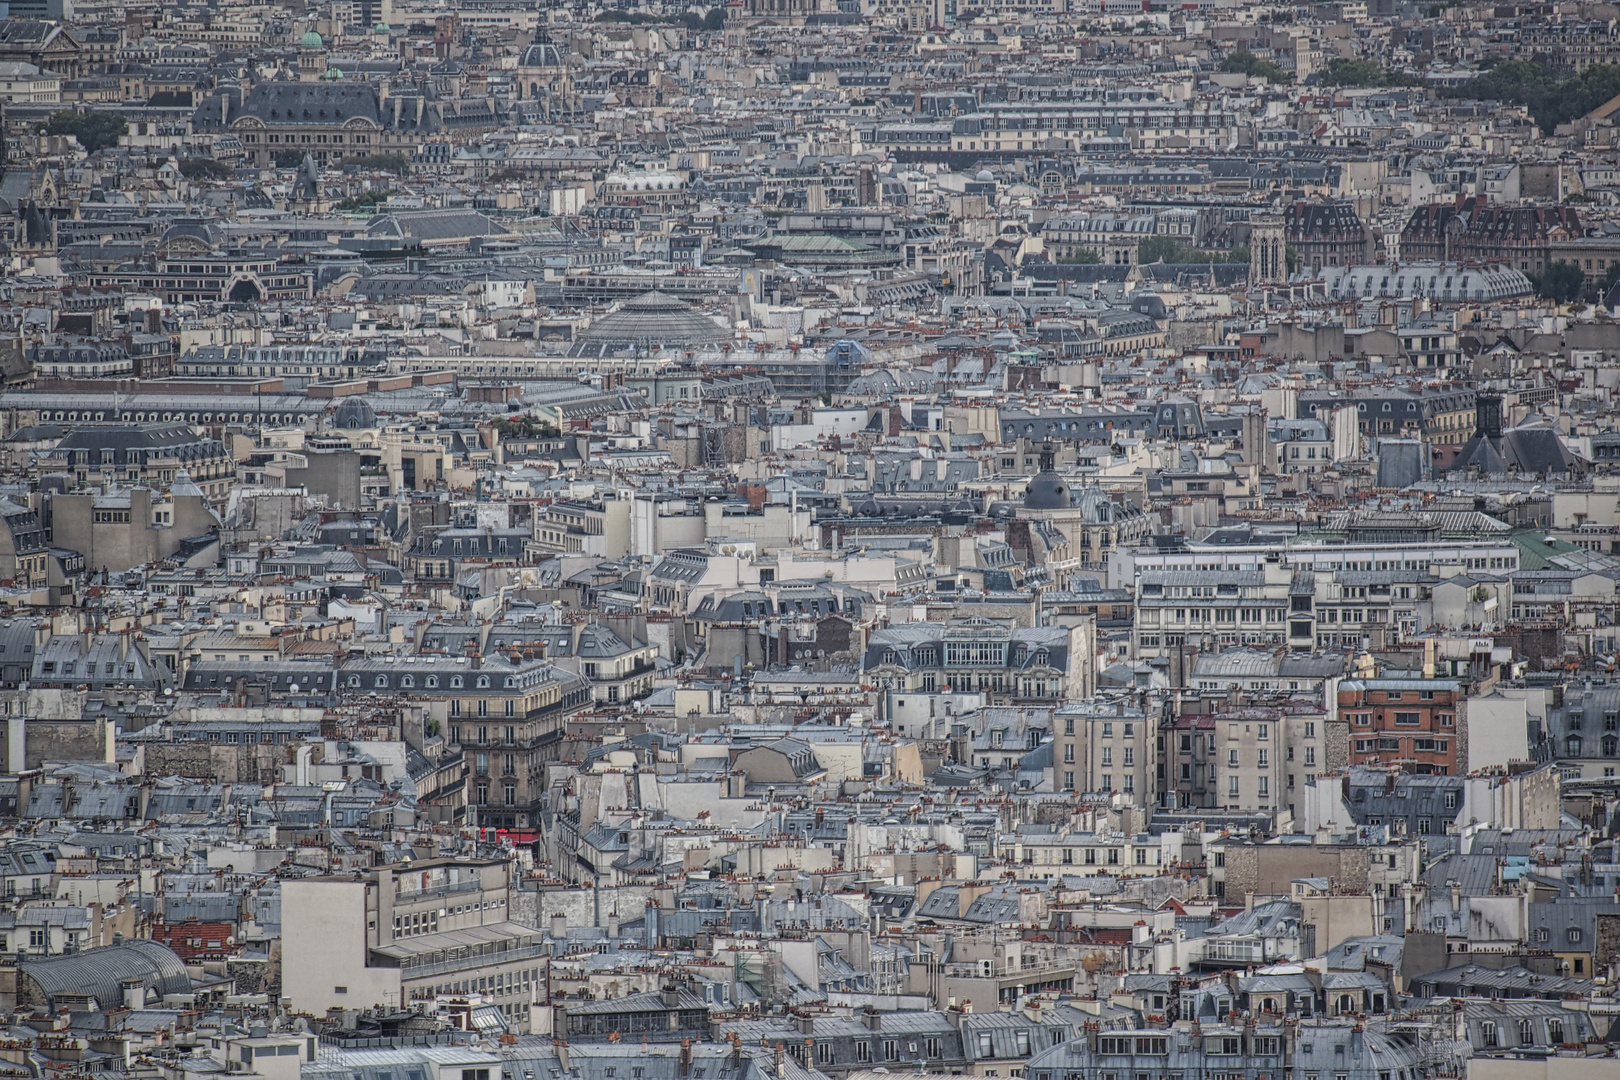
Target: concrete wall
x,y
324,949
31,742
1498,732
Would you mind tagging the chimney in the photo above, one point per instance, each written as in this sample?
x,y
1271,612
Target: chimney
x,y
781,1061
134,991
613,924
559,925
670,995
805,1023
1248,899
1456,896
874,1020
686,1058
562,1055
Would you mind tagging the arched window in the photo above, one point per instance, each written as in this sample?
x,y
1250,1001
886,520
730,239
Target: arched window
x,y
455,682
382,682
432,682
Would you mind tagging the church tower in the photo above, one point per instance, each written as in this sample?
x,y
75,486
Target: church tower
x,y
311,57
1268,250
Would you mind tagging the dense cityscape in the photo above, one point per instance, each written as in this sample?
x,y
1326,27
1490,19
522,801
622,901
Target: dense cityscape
x,y
809,540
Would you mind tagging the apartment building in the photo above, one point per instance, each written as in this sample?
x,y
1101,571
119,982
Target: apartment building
x,y
1008,664
1105,746
1413,722
507,717
408,932
1179,606
1366,580
1033,125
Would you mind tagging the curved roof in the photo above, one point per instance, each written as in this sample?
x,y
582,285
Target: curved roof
x,y
101,972
310,40
651,321
1446,282
354,414
1046,491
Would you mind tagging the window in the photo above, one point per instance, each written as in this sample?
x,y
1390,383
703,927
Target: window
x,y
1527,1034
1574,935
1487,1033
1555,1032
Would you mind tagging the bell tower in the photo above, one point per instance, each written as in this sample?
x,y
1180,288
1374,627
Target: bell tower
x,y
1268,249
311,57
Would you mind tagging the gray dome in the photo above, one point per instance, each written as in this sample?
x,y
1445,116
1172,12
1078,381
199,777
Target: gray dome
x,y
1047,491
985,176
355,414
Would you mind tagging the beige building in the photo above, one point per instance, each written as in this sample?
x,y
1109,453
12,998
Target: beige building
x,y
1105,746
24,84
409,932
131,527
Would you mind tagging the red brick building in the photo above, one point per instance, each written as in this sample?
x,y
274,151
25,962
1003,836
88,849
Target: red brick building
x,y
1406,722
197,940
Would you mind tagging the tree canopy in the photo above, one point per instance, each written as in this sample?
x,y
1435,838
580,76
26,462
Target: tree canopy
x,y
1550,99
1168,249
1561,281
1243,62
199,168
1343,71
94,129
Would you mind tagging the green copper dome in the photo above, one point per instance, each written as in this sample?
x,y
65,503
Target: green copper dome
x,y
310,40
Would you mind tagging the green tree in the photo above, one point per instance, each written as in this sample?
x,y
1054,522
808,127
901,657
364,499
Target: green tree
x,y
1343,71
1550,100
715,19
1084,257
366,200
1154,249
287,159
1561,281
1168,249
94,129
201,168
1610,278
392,161
1244,62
